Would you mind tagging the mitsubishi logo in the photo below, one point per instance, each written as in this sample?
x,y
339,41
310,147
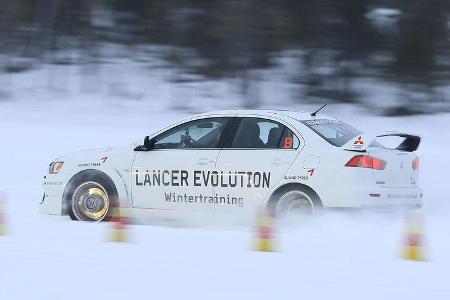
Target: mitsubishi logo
x,y
359,140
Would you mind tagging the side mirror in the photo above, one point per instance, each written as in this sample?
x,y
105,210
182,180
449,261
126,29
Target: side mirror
x,y
149,143
147,146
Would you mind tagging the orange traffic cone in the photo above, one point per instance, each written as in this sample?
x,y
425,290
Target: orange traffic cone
x,y
119,227
3,230
413,249
265,240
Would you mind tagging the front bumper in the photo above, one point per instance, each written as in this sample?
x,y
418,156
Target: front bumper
x,y
50,205
51,202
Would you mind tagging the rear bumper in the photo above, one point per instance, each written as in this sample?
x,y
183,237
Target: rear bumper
x,y
394,197
374,197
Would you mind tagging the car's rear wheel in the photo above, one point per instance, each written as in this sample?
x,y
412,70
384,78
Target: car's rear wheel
x,y
90,202
295,202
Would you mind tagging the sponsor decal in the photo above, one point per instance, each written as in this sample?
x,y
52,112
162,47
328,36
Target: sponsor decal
x,y
196,178
53,183
394,196
296,177
91,164
323,122
174,178
300,177
202,199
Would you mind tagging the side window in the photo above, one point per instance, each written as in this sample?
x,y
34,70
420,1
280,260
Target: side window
x,y
261,133
203,133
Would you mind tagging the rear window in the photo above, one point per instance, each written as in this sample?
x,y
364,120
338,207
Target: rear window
x,y
335,132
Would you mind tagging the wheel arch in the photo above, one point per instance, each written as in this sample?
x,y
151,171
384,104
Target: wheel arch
x,y
275,196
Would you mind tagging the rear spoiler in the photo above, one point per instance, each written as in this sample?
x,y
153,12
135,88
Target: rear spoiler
x,y
362,141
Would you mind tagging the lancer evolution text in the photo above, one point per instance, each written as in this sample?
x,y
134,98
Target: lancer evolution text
x,y
203,178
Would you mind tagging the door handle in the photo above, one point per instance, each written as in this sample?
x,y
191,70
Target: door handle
x,y
205,161
279,162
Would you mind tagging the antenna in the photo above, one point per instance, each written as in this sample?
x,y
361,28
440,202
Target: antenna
x,y
315,113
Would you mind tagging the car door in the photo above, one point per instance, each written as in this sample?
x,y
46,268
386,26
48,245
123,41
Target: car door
x,y
254,161
177,171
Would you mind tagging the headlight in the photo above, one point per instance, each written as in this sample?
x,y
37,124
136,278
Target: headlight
x,y
55,167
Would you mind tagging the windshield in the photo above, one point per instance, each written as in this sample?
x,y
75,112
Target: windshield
x,y
335,132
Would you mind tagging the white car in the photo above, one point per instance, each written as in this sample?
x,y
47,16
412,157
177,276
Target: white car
x,y
238,162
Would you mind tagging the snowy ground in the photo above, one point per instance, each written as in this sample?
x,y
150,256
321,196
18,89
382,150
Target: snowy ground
x,y
335,256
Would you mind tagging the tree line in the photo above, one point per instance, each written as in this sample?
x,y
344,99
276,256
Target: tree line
x,y
330,43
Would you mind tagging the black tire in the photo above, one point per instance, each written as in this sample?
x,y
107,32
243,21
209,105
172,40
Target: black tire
x,y
89,197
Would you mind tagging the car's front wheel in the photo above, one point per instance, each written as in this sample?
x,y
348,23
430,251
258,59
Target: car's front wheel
x,y
90,202
90,195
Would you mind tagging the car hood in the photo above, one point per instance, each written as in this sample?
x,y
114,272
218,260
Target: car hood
x,y
85,154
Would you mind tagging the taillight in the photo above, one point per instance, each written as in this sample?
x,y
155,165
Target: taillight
x,y
366,161
415,164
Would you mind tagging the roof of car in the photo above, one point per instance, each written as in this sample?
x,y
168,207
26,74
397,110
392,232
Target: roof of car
x,y
298,115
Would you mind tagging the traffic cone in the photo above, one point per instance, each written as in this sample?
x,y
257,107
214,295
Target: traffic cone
x,y
265,240
119,227
3,230
413,249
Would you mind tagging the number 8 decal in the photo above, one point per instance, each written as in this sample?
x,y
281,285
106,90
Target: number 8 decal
x,y
288,143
